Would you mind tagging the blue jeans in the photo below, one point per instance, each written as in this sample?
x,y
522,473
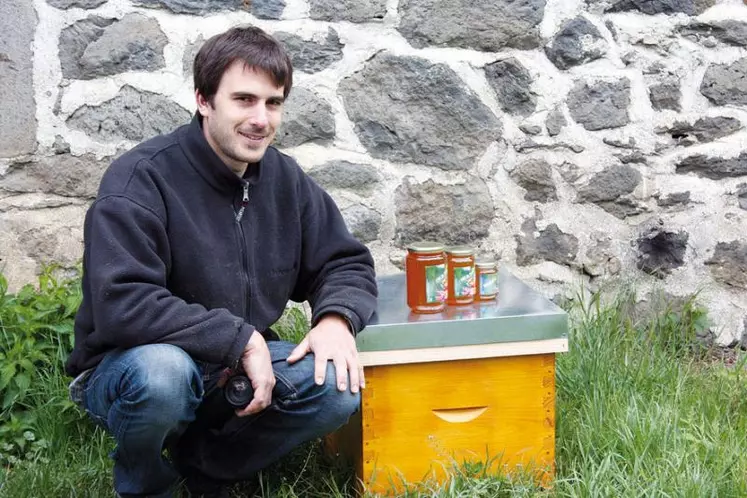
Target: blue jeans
x,y
147,398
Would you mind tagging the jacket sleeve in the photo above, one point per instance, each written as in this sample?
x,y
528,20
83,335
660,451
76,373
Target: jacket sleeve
x,y
337,271
127,261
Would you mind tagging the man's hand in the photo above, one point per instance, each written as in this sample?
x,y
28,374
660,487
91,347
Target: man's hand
x,y
331,340
257,365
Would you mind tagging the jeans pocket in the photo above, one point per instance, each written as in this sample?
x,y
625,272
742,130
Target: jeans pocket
x,y
97,418
284,391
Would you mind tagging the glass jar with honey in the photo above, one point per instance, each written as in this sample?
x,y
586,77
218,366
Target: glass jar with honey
x,y
425,268
460,280
486,279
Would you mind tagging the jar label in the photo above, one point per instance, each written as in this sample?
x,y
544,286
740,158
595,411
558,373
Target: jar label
x,y
464,281
488,284
435,283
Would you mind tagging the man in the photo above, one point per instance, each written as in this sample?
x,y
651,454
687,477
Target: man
x,y
194,245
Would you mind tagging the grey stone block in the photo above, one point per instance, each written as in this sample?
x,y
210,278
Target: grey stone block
x,y
17,105
600,105
307,117
453,214
578,42
550,244
726,84
489,25
407,109
512,84
728,264
132,115
358,11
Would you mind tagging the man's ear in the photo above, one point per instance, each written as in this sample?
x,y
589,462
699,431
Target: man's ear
x,y
202,103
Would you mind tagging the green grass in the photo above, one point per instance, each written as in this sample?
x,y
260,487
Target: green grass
x,y
641,411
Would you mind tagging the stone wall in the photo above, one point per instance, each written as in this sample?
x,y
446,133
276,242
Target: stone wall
x,y
578,141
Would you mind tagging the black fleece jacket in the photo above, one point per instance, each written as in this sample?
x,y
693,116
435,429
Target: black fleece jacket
x,y
175,253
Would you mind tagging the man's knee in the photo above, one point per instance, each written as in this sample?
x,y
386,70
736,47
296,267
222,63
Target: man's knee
x,y
339,405
163,379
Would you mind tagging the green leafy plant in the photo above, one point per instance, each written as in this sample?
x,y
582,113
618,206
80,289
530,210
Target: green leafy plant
x,y
36,335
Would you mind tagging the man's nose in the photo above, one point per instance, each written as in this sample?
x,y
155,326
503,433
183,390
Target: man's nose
x,y
258,118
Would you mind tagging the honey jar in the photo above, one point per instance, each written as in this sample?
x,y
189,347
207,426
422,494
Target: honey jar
x,y
486,280
425,269
460,281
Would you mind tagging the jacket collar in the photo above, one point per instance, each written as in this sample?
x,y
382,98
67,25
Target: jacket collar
x,y
206,162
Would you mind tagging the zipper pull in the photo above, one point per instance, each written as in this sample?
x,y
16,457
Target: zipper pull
x,y
244,201
245,198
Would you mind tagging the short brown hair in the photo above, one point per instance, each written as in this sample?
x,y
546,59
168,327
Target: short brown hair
x,y
249,44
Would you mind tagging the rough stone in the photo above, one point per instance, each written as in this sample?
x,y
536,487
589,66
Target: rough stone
x,y
268,9
307,117
81,4
535,176
666,95
363,222
613,30
190,52
531,129
347,10
600,259
529,145
135,43
600,105
361,178
657,302
742,195
74,41
60,146
61,174
36,237
486,25
512,84
675,199
653,7
726,84
263,9
17,105
555,122
620,144
131,115
660,251
609,184
706,129
727,31
714,168
623,207
635,157
570,172
550,244
578,42
729,263
407,109
453,214
311,56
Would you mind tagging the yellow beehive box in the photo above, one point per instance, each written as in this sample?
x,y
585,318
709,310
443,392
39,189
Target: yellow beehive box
x,y
470,384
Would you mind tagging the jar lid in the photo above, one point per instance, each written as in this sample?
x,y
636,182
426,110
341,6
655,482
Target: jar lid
x,y
425,246
485,263
460,250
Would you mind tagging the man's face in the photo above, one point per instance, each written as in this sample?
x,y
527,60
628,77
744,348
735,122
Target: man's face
x,y
244,116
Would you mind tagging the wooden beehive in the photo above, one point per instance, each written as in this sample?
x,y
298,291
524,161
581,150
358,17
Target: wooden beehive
x,y
484,390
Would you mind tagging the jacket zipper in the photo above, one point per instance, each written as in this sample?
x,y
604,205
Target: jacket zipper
x,y
244,201
242,246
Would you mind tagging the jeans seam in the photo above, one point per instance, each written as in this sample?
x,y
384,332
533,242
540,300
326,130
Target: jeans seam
x,y
288,384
